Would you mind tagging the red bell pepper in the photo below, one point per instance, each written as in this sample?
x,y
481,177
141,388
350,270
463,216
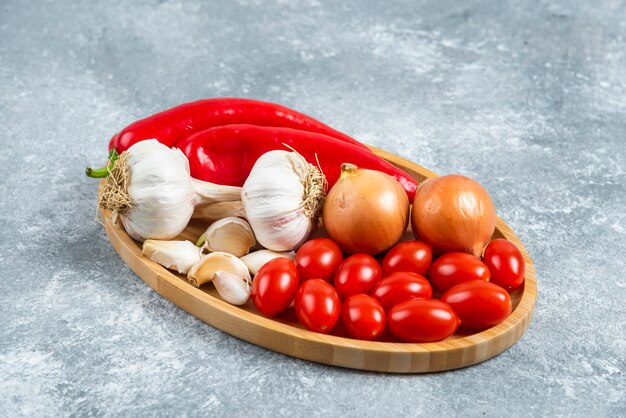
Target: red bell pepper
x,y
171,126
226,154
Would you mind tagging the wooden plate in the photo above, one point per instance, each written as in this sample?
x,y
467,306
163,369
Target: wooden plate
x,y
285,335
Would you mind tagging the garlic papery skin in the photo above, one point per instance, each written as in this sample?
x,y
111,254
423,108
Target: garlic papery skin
x,y
210,193
254,261
230,235
220,210
174,255
233,288
282,198
152,192
204,270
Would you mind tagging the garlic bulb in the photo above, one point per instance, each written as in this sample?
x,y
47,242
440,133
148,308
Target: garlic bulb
x,y
152,192
230,235
254,261
175,255
282,198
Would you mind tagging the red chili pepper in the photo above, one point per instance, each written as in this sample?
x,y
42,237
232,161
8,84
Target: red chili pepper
x,y
171,126
226,154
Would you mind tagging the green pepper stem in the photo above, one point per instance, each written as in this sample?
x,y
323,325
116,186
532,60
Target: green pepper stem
x,y
100,173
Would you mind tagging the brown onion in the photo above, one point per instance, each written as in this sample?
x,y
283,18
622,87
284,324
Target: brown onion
x,y
453,213
366,211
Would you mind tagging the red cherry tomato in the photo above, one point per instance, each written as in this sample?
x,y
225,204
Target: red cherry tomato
x,y
413,256
318,259
506,264
363,317
274,286
422,320
358,273
453,268
401,286
317,305
479,304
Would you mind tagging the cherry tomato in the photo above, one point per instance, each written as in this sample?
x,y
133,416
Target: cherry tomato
x,y
318,259
453,268
506,264
274,286
422,320
401,286
413,256
358,273
363,317
317,305
479,304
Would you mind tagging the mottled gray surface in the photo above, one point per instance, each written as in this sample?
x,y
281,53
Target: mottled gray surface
x,y
529,98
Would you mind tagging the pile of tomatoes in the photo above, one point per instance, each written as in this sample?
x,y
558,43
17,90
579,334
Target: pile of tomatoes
x,y
415,298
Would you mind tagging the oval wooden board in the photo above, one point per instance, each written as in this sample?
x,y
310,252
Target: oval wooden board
x,y
285,335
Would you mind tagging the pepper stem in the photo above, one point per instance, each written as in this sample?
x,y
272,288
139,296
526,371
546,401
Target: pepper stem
x,y
100,173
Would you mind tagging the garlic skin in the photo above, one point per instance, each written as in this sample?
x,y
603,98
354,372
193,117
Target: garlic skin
x,y
174,255
232,288
216,211
282,199
204,270
254,261
150,189
230,235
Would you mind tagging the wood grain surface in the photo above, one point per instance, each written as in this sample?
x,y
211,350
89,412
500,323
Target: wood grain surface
x,y
285,335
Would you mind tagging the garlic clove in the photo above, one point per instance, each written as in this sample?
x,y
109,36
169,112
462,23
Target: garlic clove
x,y
233,288
174,255
254,261
204,270
230,235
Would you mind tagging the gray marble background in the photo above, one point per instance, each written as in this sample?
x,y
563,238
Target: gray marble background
x,y
529,98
